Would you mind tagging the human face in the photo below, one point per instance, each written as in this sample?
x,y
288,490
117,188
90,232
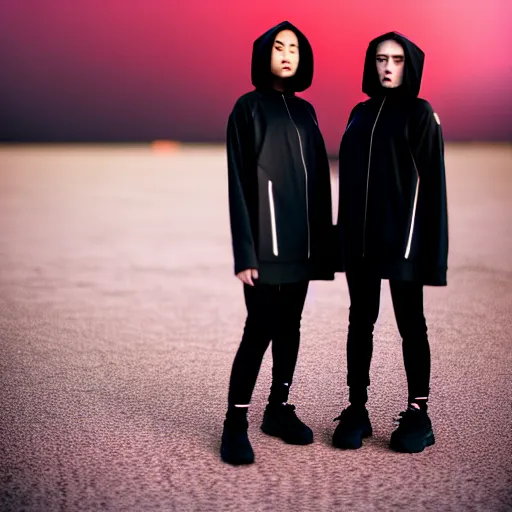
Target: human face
x,y
284,59
390,63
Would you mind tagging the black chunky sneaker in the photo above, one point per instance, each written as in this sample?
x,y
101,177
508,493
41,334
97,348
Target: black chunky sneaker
x,y
235,447
414,432
281,421
354,424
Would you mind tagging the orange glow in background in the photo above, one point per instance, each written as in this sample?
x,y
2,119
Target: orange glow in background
x,y
147,70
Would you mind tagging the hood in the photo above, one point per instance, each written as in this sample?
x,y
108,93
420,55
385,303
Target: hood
x,y
413,69
261,75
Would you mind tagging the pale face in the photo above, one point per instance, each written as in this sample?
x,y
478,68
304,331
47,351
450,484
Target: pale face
x,y
284,59
390,63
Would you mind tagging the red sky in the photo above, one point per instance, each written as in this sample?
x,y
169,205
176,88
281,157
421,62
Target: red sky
x,y
152,69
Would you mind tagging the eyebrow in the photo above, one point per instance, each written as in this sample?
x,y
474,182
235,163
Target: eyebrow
x,y
390,55
282,44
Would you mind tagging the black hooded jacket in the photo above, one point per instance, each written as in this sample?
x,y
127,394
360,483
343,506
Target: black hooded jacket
x,y
278,175
393,210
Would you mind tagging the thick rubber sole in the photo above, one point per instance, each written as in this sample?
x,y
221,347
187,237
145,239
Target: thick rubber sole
x,y
234,460
413,445
235,451
352,442
270,431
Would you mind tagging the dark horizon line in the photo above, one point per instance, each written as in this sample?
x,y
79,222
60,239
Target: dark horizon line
x,y
333,156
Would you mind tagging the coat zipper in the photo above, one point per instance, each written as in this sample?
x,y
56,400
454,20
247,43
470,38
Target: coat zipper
x,y
368,176
411,229
305,170
275,249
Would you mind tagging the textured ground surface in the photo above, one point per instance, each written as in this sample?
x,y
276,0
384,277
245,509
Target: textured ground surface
x,y
120,317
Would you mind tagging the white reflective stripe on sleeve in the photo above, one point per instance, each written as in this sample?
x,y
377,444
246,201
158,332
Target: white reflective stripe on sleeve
x,y
273,219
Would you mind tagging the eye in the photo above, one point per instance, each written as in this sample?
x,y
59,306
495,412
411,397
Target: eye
x,y
381,59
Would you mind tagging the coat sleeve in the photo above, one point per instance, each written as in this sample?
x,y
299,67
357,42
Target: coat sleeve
x,y
322,260
427,148
343,199
351,116
324,171
349,122
241,174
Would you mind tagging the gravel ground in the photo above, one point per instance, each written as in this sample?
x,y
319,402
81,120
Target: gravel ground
x,y
120,318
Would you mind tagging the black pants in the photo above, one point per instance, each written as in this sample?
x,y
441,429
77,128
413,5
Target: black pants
x,y
364,289
274,313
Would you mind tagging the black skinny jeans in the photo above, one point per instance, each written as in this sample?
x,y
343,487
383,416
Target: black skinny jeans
x,y
274,313
407,297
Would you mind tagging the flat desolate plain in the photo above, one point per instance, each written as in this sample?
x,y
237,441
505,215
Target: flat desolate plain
x,y
120,318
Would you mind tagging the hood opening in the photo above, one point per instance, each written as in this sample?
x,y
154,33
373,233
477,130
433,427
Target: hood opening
x,y
413,67
262,77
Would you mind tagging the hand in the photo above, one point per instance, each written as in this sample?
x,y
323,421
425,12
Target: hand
x,y
246,276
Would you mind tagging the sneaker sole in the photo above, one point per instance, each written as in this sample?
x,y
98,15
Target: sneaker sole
x,y
352,443
413,445
274,433
236,462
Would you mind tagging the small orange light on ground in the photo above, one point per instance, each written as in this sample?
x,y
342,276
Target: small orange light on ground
x,y
165,146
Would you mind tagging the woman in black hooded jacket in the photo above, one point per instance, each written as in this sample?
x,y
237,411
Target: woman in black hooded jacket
x,y
393,224
281,223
